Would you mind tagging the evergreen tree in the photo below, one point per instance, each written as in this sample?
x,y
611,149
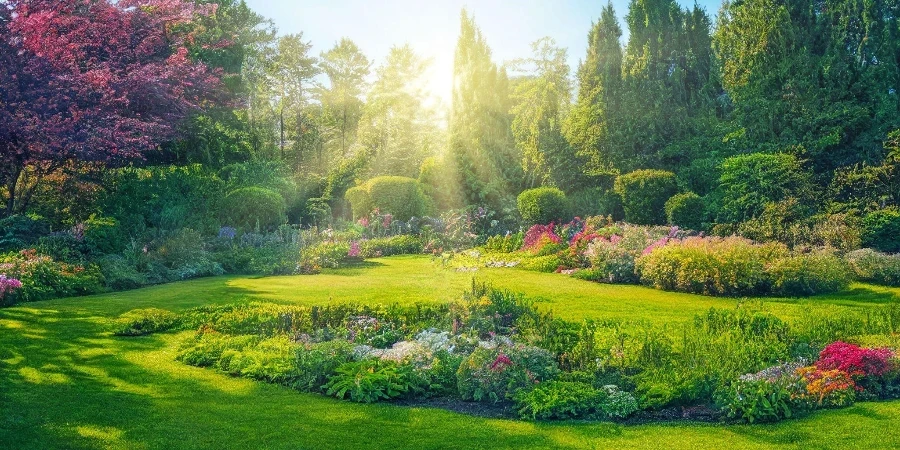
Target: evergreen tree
x,y
541,100
482,153
599,77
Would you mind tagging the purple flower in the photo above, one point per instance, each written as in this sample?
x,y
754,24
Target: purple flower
x,y
354,250
227,233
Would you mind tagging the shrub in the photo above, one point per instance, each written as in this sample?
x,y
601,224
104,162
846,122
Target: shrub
x,y
328,255
539,236
750,182
254,207
495,374
18,231
505,244
167,198
543,205
368,381
139,322
103,235
315,363
869,265
808,274
401,197
644,194
394,245
827,388
8,286
43,278
618,404
560,400
686,210
710,266
856,361
206,348
881,230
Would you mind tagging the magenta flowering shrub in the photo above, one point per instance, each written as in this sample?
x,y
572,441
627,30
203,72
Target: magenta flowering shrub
x,y
855,360
8,286
538,236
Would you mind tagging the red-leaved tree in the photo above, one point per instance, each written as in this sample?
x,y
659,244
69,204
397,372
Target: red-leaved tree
x,y
93,81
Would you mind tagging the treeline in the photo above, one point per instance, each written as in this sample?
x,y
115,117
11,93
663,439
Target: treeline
x,y
780,113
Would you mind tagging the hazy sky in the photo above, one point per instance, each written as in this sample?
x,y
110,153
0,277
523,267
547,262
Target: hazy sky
x,y
432,26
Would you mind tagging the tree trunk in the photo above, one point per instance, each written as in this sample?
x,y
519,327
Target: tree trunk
x,y
281,117
11,185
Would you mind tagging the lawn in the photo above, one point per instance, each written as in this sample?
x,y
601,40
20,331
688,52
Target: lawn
x,y
67,383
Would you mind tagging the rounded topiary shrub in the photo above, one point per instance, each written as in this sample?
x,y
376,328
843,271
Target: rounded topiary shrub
x,y
250,207
686,210
644,194
401,197
543,205
881,230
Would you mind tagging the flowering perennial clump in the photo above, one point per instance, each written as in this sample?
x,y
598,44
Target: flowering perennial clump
x,y
855,360
8,285
539,235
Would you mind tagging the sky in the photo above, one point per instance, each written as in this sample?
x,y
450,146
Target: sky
x,y
431,27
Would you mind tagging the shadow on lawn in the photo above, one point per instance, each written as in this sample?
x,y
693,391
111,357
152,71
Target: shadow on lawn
x,y
69,384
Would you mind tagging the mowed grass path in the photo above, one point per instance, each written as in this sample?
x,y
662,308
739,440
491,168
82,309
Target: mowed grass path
x,y
65,382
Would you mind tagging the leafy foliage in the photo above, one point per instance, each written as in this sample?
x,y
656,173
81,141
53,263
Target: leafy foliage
x,y
644,194
543,205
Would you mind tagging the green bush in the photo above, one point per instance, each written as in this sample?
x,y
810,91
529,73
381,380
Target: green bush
x,y
750,182
808,274
394,245
495,374
504,244
644,194
166,198
401,197
103,236
317,362
560,400
881,230
368,381
254,207
119,274
872,266
18,231
543,205
206,348
687,210
710,266
327,255
139,322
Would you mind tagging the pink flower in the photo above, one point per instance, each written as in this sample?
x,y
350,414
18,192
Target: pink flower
x,y
855,360
354,250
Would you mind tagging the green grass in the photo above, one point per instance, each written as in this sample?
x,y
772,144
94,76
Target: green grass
x,y
65,382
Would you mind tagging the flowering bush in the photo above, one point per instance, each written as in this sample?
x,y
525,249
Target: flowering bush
x,y
711,266
828,387
31,277
539,236
870,265
495,374
854,360
8,286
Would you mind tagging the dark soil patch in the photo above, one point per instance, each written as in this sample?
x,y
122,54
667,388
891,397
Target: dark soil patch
x,y
478,409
